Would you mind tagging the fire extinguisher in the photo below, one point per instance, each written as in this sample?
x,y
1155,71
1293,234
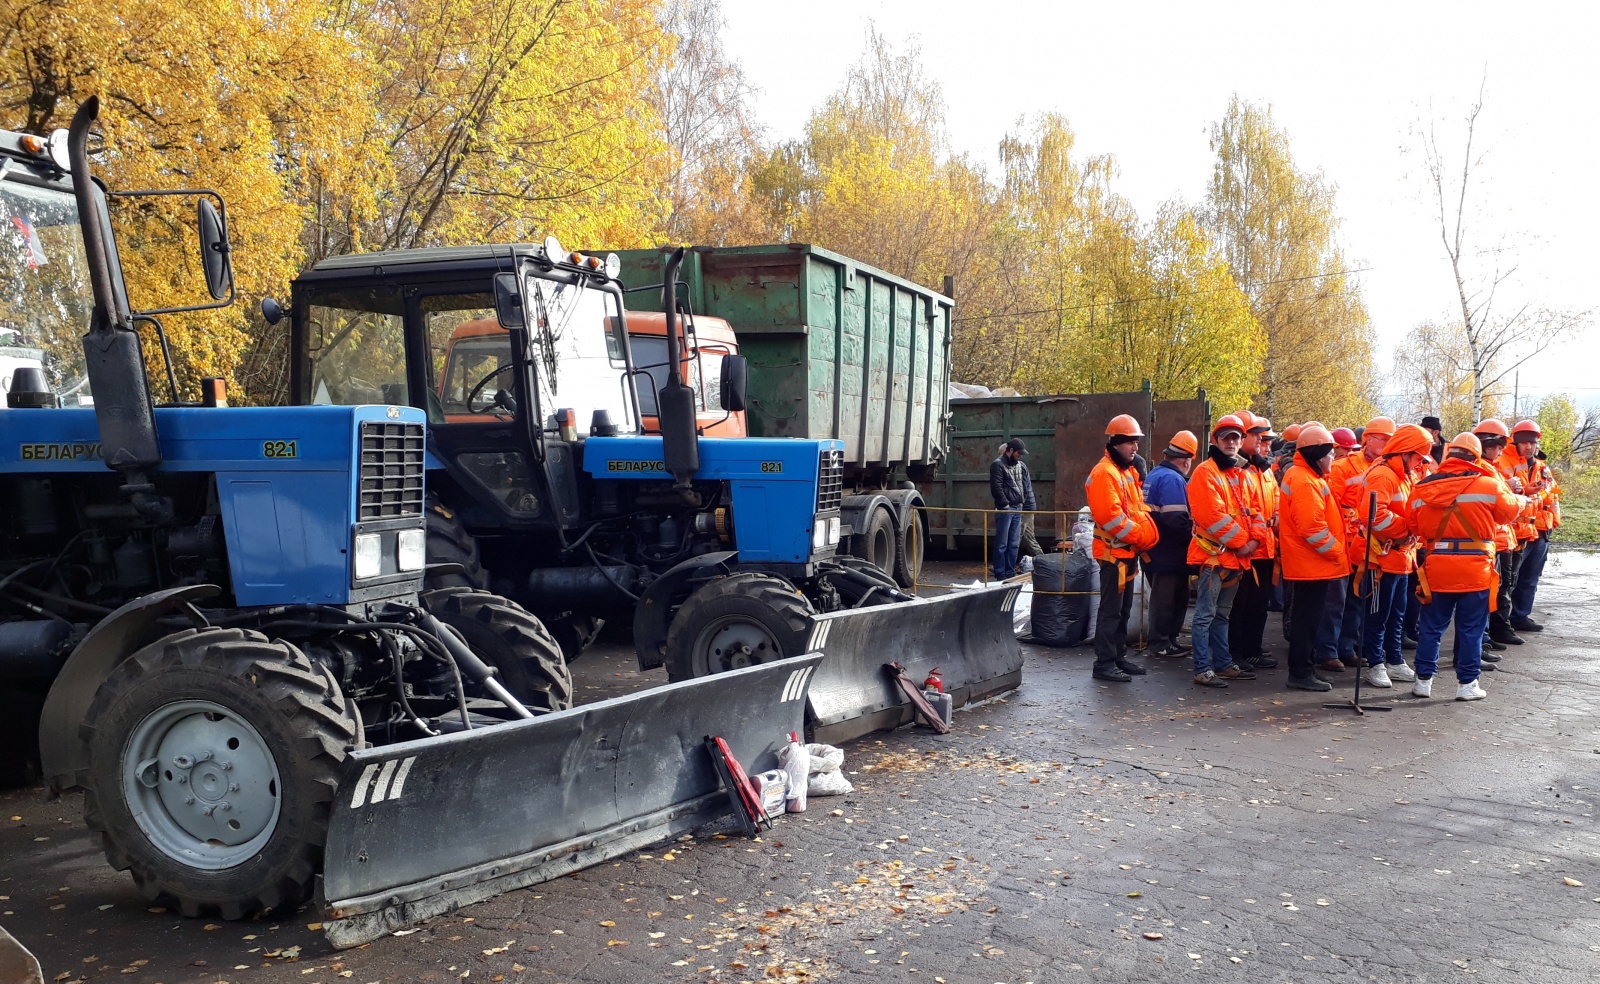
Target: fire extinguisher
x,y
935,681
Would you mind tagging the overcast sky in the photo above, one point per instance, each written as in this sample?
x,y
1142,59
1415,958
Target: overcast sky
x,y
1350,83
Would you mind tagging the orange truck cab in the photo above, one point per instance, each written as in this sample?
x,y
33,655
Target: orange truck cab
x,y
480,348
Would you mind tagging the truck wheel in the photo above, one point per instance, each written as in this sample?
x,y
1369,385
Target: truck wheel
x,y
450,543
575,633
877,541
911,547
213,759
737,621
511,640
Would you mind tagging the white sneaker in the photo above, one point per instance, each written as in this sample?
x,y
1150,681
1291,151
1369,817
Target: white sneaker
x,y
1401,672
1378,677
1471,691
1423,687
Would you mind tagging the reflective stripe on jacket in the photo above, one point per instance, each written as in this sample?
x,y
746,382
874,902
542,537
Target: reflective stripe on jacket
x,y
1387,478
1455,513
1123,527
1217,505
1311,534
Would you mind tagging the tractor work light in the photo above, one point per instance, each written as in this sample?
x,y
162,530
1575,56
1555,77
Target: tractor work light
x,y
819,534
413,550
368,555
833,531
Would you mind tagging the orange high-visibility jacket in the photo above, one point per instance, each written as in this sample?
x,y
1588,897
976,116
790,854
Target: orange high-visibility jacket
x,y
1344,481
1455,513
1123,527
1219,507
1511,463
1264,508
1546,504
1311,535
1387,477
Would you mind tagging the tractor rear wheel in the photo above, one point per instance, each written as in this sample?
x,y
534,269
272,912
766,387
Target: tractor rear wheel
x,y
526,659
740,620
450,543
214,755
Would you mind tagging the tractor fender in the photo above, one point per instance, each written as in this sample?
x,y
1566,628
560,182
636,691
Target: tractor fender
x,y
902,501
112,640
653,613
854,510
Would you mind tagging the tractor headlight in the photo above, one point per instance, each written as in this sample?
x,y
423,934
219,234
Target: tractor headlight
x,y
819,534
413,552
833,530
369,555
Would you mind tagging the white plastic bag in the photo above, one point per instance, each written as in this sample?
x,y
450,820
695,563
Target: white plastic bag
x,y
825,758
796,761
830,784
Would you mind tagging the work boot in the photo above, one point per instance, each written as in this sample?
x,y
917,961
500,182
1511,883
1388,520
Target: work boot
x,y
1210,679
1351,661
1311,683
1378,677
1131,668
1423,687
1505,636
1489,657
1332,665
1115,675
1262,662
1408,643
1471,691
1491,646
1526,625
1401,672
1233,671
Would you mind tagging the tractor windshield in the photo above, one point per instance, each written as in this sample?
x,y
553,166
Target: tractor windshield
x,y
579,359
45,298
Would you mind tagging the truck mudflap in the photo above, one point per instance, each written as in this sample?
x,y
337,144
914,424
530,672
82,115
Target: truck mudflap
x,y
424,827
967,635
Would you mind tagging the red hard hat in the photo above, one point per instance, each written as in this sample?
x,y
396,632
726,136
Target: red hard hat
x,y
1344,437
1229,421
1492,427
1528,427
1122,425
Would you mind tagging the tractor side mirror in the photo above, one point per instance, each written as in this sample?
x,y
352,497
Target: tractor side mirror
x,y
735,379
508,301
271,310
214,250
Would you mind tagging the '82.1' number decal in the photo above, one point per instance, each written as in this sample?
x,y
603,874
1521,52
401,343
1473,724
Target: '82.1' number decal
x,y
280,449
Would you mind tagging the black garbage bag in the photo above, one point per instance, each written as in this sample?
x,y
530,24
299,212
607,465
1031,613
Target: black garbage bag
x,y
1065,589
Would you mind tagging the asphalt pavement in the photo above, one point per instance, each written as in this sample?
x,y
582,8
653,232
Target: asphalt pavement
x,y
1072,831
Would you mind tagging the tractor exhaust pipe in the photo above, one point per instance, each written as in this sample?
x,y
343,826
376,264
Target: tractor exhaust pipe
x,y
112,356
680,441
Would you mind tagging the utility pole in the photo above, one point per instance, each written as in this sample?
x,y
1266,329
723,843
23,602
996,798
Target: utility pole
x,y
1516,394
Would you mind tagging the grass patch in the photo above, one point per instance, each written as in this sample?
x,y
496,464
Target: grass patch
x,y
1580,523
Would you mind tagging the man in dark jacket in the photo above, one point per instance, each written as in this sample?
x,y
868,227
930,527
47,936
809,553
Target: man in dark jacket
x,y
1011,487
1167,569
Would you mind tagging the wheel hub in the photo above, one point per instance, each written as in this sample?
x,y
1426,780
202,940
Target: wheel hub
x,y
734,643
202,784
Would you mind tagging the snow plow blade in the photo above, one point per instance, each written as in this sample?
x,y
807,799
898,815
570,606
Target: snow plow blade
x,y
967,635
424,827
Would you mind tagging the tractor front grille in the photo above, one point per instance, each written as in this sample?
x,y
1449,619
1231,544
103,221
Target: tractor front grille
x,y
830,480
391,470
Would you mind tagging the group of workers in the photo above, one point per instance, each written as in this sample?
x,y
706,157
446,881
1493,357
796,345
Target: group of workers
x,y
1372,541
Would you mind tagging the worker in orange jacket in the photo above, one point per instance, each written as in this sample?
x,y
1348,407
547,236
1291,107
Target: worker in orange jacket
x,y
1454,514
1539,484
1311,548
1340,631
1392,554
1226,536
1345,482
1123,530
1247,625
1493,437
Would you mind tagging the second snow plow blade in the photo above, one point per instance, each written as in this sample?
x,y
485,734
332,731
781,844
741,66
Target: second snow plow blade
x,y
424,827
967,635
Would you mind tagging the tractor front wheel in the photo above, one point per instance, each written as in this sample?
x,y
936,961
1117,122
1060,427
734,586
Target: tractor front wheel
x,y
509,638
737,621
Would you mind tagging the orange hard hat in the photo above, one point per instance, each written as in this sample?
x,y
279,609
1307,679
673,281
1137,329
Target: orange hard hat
x,y
1186,442
1410,438
1491,427
1263,426
1528,427
1313,435
1122,425
1246,418
1466,442
1344,437
1230,421
1380,426
1291,433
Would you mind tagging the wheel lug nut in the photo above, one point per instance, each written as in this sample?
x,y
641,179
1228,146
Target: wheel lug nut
x,y
233,787
188,801
208,809
206,755
225,806
180,778
227,766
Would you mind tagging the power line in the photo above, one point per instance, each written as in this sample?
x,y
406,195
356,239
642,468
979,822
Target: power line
x,y
1161,297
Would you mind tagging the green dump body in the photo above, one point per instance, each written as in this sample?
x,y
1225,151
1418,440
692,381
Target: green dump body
x,y
836,349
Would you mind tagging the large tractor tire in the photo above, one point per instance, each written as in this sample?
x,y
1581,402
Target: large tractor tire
x,y
740,620
213,759
911,548
450,543
877,540
575,633
527,660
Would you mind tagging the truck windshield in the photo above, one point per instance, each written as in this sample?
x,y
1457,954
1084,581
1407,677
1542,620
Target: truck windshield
x,y
45,298
579,364
650,354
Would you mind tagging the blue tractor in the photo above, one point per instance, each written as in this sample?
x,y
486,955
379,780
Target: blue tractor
x,y
204,611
